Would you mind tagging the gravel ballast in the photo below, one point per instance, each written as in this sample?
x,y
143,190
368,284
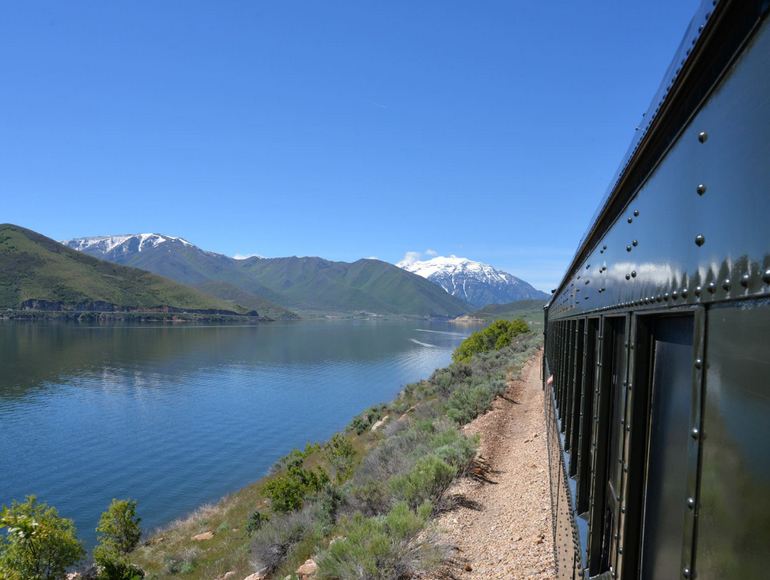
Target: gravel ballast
x,y
500,525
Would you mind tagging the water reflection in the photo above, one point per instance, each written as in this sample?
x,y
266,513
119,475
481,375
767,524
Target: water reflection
x,y
176,416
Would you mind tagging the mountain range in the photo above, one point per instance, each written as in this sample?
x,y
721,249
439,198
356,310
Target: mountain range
x,y
38,273
151,272
275,285
476,283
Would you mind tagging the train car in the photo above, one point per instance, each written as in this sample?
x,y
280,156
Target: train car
x,y
657,357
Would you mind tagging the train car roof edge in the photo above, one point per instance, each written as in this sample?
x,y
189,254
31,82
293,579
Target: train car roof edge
x,y
687,52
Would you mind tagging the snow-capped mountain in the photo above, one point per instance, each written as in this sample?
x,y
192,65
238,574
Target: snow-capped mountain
x,y
113,247
476,283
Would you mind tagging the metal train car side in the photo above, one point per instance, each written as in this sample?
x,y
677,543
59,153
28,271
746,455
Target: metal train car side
x,y
658,337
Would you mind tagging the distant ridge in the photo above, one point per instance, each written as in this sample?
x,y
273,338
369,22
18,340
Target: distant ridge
x,y
179,260
308,284
474,282
38,273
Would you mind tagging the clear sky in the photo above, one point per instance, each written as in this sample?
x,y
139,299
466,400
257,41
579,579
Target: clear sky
x,y
343,129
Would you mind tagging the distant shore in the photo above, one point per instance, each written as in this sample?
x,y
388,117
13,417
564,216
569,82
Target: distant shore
x,y
139,317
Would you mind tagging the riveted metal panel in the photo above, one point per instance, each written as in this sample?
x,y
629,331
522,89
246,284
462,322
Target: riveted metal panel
x,y
695,232
733,532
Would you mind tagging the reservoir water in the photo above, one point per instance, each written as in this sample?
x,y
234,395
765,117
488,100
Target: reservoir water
x,y
178,416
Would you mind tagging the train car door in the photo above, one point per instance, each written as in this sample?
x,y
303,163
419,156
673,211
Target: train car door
x,y
670,402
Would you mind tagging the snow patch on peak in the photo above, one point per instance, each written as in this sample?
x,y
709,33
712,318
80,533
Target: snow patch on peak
x,y
477,283
452,264
107,244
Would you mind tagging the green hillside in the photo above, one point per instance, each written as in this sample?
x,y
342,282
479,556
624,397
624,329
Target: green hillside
x,y
277,285
34,267
249,300
509,310
365,285
195,267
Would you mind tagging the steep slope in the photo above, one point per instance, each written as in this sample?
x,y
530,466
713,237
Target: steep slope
x,y
38,272
309,284
476,283
178,259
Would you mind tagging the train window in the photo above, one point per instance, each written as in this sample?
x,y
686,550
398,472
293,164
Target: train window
x,y
564,373
614,438
606,477
569,391
586,409
670,405
577,397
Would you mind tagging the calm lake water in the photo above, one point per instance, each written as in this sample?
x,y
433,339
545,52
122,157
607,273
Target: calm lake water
x,y
178,416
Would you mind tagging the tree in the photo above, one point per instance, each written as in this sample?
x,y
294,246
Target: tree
x,y
39,545
118,532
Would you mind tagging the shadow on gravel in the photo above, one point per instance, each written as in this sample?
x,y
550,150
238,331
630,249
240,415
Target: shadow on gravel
x,y
509,399
456,501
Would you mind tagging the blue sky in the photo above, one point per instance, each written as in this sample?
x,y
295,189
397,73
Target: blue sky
x,y
343,129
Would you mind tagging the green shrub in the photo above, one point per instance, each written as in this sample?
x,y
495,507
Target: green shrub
x,y
183,563
341,456
454,448
288,490
427,480
497,335
467,403
379,547
365,420
118,533
370,498
39,544
122,569
256,520
119,527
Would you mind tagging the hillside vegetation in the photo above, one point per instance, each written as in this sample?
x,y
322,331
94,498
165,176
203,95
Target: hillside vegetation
x,y
359,505
36,268
364,285
509,310
309,284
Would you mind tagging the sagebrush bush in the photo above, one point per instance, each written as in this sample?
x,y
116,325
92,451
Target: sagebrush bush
x,y
454,448
183,563
370,498
427,480
275,539
468,402
380,547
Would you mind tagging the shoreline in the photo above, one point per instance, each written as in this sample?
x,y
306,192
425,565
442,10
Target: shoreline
x,y
212,541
